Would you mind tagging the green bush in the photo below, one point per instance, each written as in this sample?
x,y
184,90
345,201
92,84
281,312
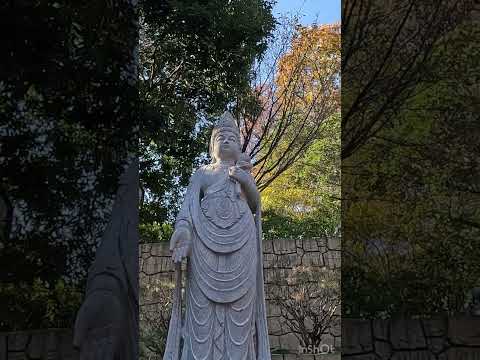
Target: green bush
x,y
38,305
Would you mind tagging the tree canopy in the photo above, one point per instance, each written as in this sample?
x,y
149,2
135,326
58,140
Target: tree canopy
x,y
68,100
298,137
195,57
387,50
294,92
305,200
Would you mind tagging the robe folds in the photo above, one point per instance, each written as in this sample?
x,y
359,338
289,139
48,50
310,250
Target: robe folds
x,y
224,317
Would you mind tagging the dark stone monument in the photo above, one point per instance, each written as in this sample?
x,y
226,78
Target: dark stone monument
x,y
107,322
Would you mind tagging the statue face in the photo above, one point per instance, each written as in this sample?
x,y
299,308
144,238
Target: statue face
x,y
226,145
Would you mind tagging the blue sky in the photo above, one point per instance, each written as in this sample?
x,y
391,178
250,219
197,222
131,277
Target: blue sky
x,y
327,11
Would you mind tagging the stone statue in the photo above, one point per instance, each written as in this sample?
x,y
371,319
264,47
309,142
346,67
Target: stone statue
x,y
218,230
106,327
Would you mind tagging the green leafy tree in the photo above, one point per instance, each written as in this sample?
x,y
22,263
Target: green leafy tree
x,y
294,91
294,134
68,100
38,304
305,200
195,58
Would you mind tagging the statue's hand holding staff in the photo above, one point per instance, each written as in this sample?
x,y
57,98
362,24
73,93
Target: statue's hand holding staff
x,y
180,244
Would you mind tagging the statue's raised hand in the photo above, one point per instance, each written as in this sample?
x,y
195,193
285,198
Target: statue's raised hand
x,y
181,244
246,180
242,176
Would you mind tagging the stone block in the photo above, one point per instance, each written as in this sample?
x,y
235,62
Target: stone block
x,y
274,341
383,350
290,342
435,327
268,260
283,261
336,330
293,260
464,331
329,260
381,329
273,310
66,350
356,336
17,356
413,355
458,353
51,345
36,347
299,244
267,246
436,345
314,245
334,243
407,334
270,276
17,341
371,356
3,347
275,325
337,343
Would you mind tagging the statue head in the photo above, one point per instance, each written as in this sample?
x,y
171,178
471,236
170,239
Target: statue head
x,y
225,139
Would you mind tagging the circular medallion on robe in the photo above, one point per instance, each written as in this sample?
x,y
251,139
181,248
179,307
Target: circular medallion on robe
x,y
222,205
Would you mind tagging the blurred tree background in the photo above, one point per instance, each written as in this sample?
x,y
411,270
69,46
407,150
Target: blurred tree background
x,y
409,178
68,108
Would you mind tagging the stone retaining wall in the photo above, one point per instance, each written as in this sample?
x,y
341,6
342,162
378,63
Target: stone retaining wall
x,y
455,338
51,344
280,255
434,339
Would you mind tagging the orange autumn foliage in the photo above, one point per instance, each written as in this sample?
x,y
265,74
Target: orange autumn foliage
x,y
312,65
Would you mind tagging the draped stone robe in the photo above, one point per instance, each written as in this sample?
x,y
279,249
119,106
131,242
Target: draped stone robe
x,y
224,299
